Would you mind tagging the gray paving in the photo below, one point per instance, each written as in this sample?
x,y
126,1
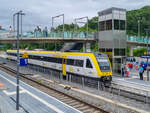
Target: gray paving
x,y
133,79
7,105
31,99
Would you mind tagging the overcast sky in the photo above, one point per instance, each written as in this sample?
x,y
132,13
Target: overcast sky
x,y
39,12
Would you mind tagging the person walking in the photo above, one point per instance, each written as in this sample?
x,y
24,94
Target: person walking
x,y
141,71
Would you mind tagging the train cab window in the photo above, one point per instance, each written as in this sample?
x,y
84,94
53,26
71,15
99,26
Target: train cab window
x,y
88,63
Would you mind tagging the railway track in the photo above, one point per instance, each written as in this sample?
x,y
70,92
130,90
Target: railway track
x,y
71,101
119,90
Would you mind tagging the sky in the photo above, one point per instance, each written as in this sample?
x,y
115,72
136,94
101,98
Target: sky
x,y
40,12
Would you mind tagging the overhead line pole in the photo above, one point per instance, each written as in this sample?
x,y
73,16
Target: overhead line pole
x,y
147,52
139,26
63,30
18,56
76,21
14,23
63,21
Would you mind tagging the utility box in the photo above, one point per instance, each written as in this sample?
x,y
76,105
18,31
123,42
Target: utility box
x,y
112,35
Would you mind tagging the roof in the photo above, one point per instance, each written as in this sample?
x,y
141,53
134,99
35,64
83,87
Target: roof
x,y
109,10
53,52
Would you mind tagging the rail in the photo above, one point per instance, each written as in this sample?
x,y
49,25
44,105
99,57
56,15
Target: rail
x,y
130,86
55,93
116,88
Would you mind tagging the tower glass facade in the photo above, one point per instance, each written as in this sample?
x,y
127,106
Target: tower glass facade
x,y
112,35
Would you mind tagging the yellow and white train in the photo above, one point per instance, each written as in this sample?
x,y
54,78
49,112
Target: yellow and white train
x,y
90,65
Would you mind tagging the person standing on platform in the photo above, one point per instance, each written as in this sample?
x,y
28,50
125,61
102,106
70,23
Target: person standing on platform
x,y
127,71
141,71
123,69
10,29
46,32
35,32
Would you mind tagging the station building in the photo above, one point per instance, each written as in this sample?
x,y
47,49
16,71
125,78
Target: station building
x,y
112,35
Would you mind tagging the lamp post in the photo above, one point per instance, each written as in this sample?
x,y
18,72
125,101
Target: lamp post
x,y
61,15
147,53
18,14
139,26
14,23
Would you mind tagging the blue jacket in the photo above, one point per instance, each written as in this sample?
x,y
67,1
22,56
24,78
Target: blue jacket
x,y
141,70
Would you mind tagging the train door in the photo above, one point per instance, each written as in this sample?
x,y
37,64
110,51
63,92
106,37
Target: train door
x,y
64,62
89,67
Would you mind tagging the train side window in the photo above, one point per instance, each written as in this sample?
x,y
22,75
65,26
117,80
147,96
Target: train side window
x,y
88,64
79,63
70,62
53,59
41,58
59,60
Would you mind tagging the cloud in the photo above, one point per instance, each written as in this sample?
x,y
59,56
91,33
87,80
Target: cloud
x,y
40,12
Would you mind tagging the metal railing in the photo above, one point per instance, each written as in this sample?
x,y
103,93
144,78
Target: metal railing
x,y
137,39
39,34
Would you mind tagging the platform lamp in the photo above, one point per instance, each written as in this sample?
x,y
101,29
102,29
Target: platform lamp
x,y
147,30
18,14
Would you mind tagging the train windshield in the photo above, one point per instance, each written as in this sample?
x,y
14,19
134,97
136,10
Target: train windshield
x,y
103,62
104,65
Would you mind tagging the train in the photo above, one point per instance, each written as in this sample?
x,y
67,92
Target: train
x,y
94,66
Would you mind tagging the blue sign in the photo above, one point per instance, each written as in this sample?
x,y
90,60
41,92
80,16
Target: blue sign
x,y
145,56
23,61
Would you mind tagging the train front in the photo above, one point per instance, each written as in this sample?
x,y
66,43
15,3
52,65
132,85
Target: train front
x,y
105,68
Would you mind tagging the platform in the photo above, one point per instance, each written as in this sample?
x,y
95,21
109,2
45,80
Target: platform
x,y
32,100
7,105
133,84
133,78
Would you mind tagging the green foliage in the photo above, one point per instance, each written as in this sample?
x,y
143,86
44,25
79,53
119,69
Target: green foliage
x,y
138,52
127,51
132,20
39,81
132,29
46,46
92,26
94,47
6,47
67,27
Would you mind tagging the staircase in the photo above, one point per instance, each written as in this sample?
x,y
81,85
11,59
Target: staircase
x,y
72,47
